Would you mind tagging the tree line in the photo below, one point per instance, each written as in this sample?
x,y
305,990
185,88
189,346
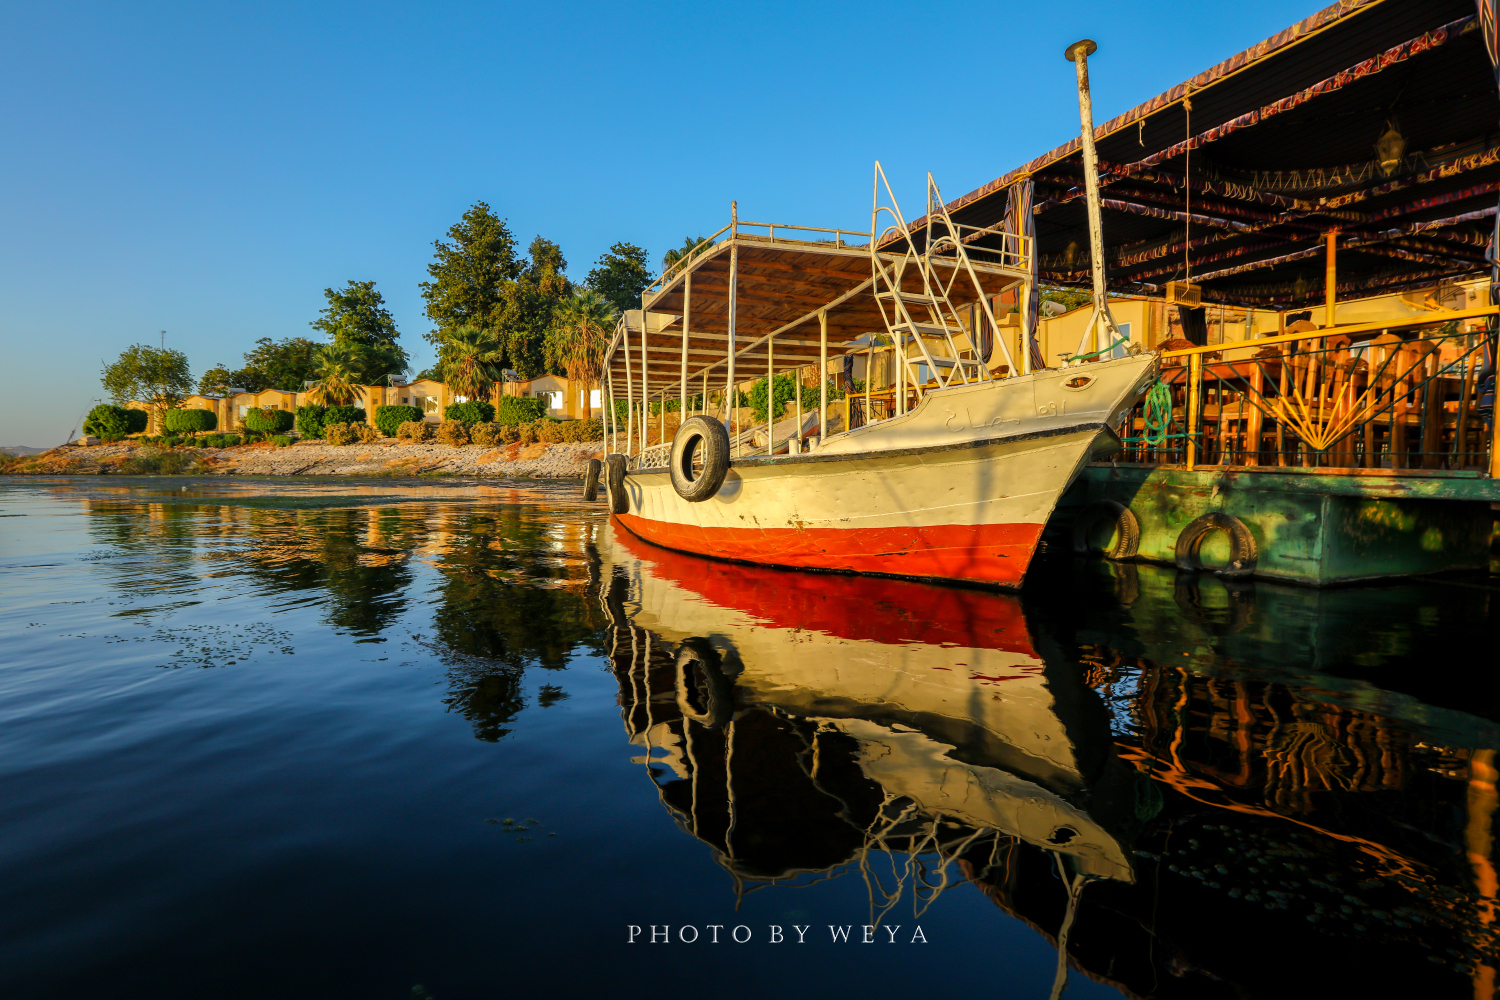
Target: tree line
x,y
495,313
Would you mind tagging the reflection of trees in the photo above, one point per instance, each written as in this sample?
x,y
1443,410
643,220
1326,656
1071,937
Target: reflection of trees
x,y
514,590
357,556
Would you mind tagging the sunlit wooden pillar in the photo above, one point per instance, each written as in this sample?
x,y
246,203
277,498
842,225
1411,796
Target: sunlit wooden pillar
x,y
1195,406
1330,286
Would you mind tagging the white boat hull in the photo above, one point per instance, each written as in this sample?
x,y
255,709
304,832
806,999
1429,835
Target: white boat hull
x,y
958,489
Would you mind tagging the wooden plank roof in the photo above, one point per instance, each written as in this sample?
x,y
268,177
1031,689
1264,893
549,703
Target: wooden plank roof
x,y
782,286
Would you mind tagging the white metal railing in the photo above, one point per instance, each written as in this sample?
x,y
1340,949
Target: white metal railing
x,y
737,227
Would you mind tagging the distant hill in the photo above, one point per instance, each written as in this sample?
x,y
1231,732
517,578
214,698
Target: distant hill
x,y
20,450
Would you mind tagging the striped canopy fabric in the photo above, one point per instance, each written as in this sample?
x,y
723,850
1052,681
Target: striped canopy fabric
x,y
1020,224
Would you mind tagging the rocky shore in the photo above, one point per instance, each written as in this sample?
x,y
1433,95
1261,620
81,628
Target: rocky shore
x,y
315,458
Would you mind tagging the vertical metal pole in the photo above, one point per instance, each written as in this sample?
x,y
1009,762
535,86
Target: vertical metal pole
x,y
770,396
609,412
645,378
822,376
687,316
629,391
1330,289
734,268
797,394
1078,53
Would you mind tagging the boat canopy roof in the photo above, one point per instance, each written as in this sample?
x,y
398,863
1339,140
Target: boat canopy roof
x,y
782,283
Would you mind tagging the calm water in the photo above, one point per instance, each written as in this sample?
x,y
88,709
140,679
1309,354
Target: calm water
x,y
311,740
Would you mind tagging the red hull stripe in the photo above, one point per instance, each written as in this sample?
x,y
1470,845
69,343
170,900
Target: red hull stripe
x,y
977,553
862,608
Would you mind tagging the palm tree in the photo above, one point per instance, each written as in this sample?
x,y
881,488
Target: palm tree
x,y
690,248
474,360
340,370
584,324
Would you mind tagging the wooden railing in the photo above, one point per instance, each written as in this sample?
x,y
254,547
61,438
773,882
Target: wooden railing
x,y
1400,396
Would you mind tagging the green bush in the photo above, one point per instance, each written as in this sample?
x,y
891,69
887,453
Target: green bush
x,y
190,421
344,415
517,410
230,440
155,462
170,442
453,432
281,441
310,420
414,430
390,417
108,421
486,434
266,420
475,411
340,434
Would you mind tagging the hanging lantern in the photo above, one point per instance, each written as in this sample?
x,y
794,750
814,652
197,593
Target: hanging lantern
x,y
1390,148
1070,255
1301,287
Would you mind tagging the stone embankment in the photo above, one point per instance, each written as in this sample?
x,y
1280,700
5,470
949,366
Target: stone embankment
x,y
314,458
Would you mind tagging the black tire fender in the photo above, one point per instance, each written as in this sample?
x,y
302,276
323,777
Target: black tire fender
x,y
703,437
614,481
591,480
1127,529
704,693
1243,551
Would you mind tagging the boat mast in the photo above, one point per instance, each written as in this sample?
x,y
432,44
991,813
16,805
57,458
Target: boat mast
x,y
1078,54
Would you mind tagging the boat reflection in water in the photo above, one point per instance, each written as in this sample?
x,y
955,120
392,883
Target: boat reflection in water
x,y
800,723
1183,813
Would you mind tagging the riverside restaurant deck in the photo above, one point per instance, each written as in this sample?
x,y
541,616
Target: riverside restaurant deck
x,y
1313,221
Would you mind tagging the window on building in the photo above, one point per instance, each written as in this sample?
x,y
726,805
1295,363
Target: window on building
x,y
594,398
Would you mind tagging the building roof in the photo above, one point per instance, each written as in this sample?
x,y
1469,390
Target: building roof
x,y
1280,146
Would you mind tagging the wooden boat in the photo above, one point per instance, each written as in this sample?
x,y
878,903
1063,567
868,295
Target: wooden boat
x,y
946,464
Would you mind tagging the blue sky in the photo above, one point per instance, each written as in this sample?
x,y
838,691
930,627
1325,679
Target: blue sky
x,y
208,170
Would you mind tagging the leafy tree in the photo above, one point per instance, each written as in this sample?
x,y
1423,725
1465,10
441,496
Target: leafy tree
x,y
271,364
340,373
158,377
579,336
621,275
356,316
215,381
531,306
109,421
687,250
470,274
474,361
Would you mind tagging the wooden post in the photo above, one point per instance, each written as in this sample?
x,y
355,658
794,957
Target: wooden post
x,y
1330,288
687,315
770,396
822,376
1254,418
1195,406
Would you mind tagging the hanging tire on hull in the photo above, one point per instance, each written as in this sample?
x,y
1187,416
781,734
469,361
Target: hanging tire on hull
x,y
614,480
700,440
1101,512
1243,551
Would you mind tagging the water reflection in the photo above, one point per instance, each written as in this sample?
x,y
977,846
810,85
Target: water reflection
x,y
1175,777
512,593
